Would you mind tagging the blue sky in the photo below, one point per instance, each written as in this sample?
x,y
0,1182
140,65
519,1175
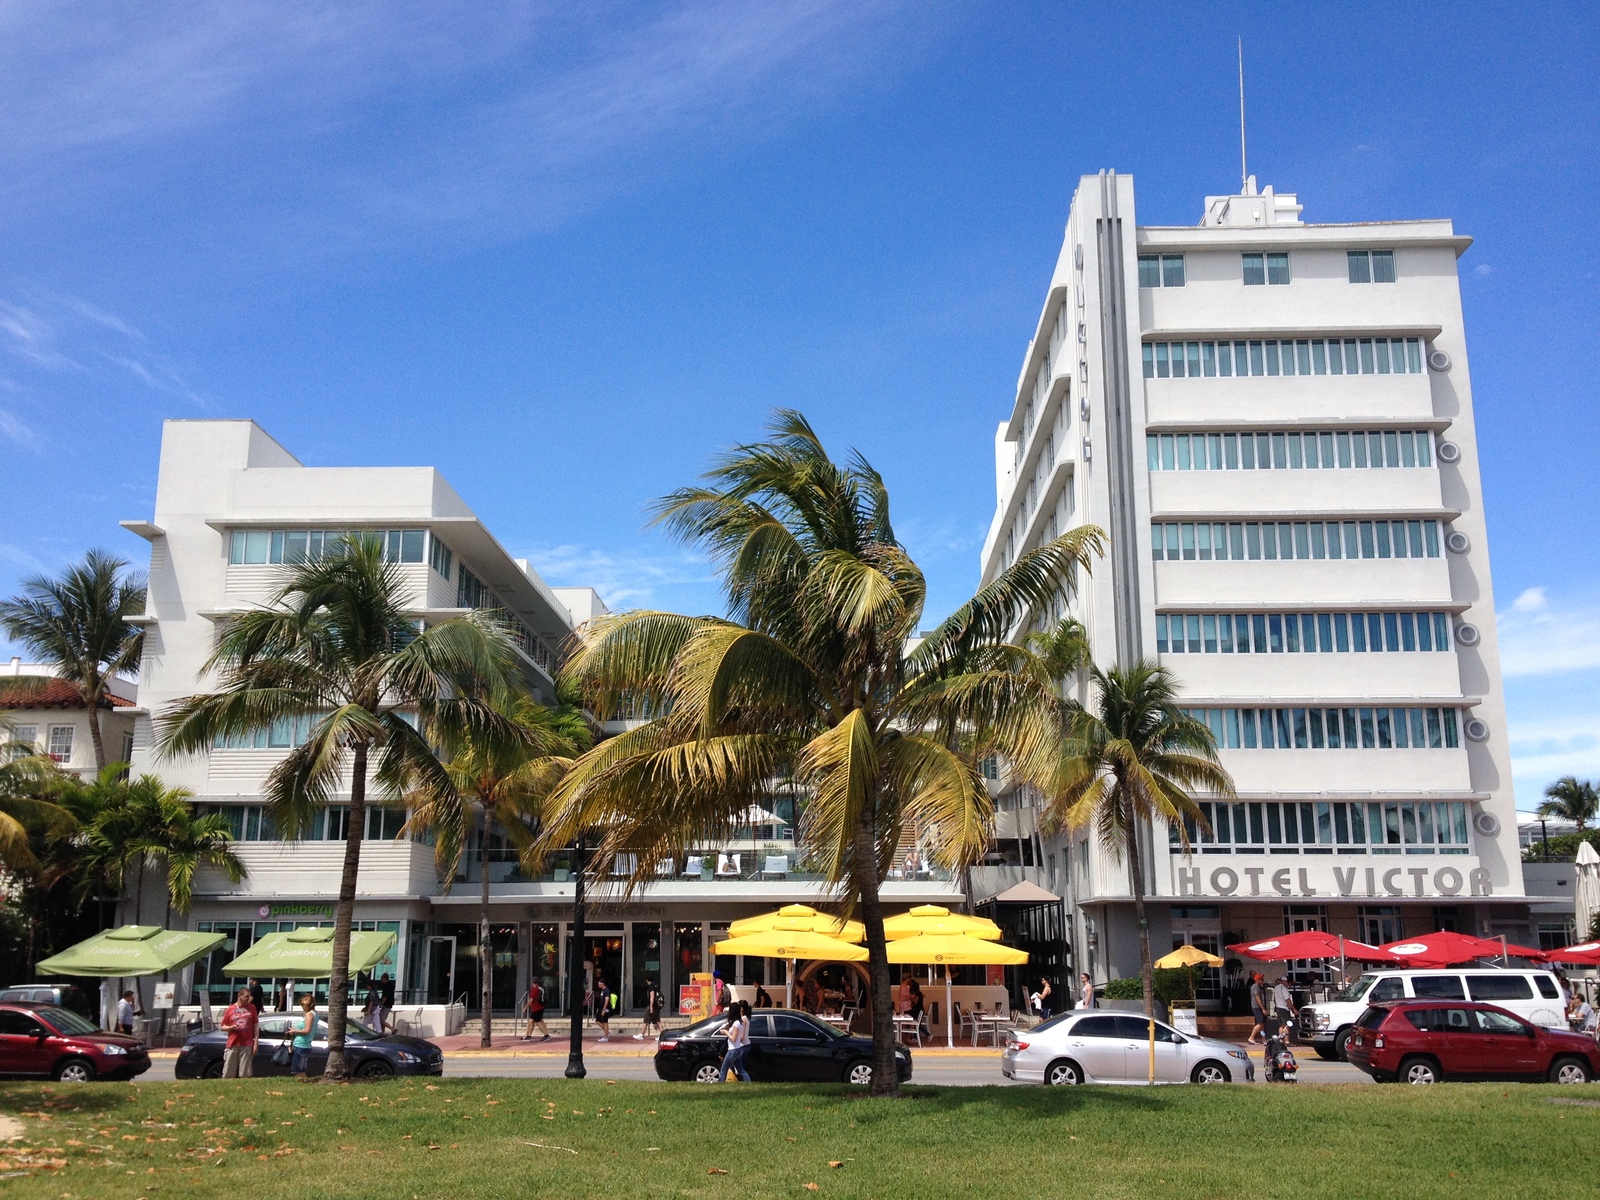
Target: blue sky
x,y
564,252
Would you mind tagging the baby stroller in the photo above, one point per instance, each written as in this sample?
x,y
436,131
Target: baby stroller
x,y
1280,1064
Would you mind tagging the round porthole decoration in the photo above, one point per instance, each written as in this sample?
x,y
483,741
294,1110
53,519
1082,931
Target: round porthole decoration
x,y
1467,635
1457,543
1439,360
1449,452
1476,730
1486,823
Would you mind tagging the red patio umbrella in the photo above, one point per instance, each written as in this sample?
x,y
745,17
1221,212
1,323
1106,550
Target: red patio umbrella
x,y
1446,949
1311,943
1584,954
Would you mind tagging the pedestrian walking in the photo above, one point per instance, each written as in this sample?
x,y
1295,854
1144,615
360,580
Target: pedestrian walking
x,y
1283,1006
241,1021
372,1011
653,1003
125,1013
1259,1001
737,1031
536,1011
604,1000
764,1000
386,1004
258,997
722,996
1040,1000
304,1034
1085,991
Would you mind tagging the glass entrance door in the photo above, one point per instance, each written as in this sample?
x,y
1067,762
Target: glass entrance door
x,y
601,959
441,970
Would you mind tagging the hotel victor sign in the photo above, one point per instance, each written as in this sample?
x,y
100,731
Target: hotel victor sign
x,y
1326,879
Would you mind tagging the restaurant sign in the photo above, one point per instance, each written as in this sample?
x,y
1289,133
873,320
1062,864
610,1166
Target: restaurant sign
x,y
295,910
1324,879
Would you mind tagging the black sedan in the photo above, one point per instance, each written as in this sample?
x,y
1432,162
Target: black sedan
x,y
370,1055
786,1046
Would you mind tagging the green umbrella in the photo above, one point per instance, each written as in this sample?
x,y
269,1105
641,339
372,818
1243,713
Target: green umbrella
x,y
307,953
132,950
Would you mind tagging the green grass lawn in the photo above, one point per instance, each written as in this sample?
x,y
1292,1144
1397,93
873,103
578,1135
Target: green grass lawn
x,y
528,1138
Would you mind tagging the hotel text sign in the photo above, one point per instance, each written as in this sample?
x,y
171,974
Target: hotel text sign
x,y
1328,880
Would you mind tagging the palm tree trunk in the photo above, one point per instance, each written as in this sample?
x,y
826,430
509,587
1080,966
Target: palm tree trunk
x,y
885,1078
343,917
92,710
485,949
1136,878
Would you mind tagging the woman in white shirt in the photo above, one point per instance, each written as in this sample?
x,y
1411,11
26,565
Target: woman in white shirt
x,y
738,1033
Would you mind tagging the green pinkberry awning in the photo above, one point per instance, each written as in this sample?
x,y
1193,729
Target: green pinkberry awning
x,y
307,953
132,950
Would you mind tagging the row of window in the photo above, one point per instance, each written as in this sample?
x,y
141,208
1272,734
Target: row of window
x,y
1321,450
1296,633
1267,267
1357,827
1206,540
58,744
251,823
1306,356
472,592
260,546
1331,728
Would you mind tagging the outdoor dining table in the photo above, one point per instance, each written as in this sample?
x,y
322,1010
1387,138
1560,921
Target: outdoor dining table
x,y
990,1022
837,1020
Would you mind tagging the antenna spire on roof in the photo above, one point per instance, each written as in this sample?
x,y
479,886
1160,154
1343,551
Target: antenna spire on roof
x,y
1244,169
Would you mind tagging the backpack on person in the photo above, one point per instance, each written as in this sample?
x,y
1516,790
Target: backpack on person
x,y
612,1003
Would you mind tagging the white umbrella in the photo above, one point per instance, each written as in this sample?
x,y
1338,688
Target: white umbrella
x,y
1586,897
756,815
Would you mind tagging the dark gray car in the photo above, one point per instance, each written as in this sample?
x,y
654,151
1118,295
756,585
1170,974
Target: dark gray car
x,y
370,1055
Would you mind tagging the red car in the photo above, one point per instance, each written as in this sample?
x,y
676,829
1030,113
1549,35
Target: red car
x,y
59,1044
1426,1041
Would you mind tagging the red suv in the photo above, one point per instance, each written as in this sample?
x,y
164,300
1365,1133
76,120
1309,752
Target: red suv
x,y
1425,1041
44,1040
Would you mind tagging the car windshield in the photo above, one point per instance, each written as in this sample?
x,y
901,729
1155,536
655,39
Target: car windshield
x,y
709,1027
65,1020
1357,989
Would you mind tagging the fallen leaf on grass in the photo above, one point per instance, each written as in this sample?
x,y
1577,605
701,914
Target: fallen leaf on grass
x,y
567,1149
811,1187
715,1171
835,1162
274,1093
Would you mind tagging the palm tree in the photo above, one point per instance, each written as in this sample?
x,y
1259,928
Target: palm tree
x,y
335,643
1064,650
185,842
1571,799
507,778
810,677
79,624
1134,759
30,787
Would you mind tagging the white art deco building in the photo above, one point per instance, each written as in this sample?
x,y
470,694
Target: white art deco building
x,y
1273,421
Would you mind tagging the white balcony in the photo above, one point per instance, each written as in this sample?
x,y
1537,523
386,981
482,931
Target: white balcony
x,y
389,869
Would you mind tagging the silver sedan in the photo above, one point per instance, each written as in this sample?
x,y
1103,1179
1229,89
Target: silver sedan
x,y
1089,1046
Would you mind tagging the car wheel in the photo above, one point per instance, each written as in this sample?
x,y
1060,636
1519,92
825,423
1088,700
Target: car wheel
x,y
213,1070
1569,1070
707,1073
1327,1053
1210,1072
859,1074
75,1070
374,1068
1419,1071
1341,1045
1063,1073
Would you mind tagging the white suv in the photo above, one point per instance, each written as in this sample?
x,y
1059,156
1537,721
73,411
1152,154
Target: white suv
x,y
1535,996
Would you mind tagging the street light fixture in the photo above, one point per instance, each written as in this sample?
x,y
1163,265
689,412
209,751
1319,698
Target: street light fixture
x,y
575,1067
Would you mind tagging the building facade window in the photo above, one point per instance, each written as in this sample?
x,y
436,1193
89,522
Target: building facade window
x,y
1370,266
1257,540
60,745
1331,728
1160,270
283,734
261,546
26,736
1266,268
439,557
1301,633
1328,827
1285,356
472,592
1290,450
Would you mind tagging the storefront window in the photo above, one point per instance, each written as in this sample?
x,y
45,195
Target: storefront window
x,y
646,963
544,964
687,957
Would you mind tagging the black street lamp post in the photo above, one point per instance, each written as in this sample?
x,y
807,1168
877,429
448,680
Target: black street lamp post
x,y
575,1067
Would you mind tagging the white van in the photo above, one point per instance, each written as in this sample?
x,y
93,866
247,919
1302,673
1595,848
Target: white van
x,y
1535,996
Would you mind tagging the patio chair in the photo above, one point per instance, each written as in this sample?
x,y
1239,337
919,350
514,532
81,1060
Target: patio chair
x,y
728,865
692,865
666,867
624,864
776,864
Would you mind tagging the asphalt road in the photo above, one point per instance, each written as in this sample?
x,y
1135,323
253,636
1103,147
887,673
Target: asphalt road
x,y
945,1070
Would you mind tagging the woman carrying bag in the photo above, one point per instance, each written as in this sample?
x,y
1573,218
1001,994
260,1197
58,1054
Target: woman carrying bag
x,y
303,1035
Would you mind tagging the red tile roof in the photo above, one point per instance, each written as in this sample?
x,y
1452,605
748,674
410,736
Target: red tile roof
x,y
53,693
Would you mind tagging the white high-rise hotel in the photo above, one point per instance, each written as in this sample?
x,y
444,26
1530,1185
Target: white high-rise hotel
x,y
1273,421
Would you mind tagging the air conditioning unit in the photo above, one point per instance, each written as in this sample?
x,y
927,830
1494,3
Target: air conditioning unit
x,y
1439,361
1467,635
1457,542
1486,823
1449,452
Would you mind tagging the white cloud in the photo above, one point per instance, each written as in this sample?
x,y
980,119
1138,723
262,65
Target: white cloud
x,y
367,120
12,429
632,577
1548,748
1482,270
1541,637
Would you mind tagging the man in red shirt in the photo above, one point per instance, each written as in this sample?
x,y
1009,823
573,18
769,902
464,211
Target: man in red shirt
x,y
240,1020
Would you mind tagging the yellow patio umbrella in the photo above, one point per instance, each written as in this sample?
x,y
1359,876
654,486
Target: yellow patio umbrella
x,y
1188,957
934,919
953,950
791,944
799,918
